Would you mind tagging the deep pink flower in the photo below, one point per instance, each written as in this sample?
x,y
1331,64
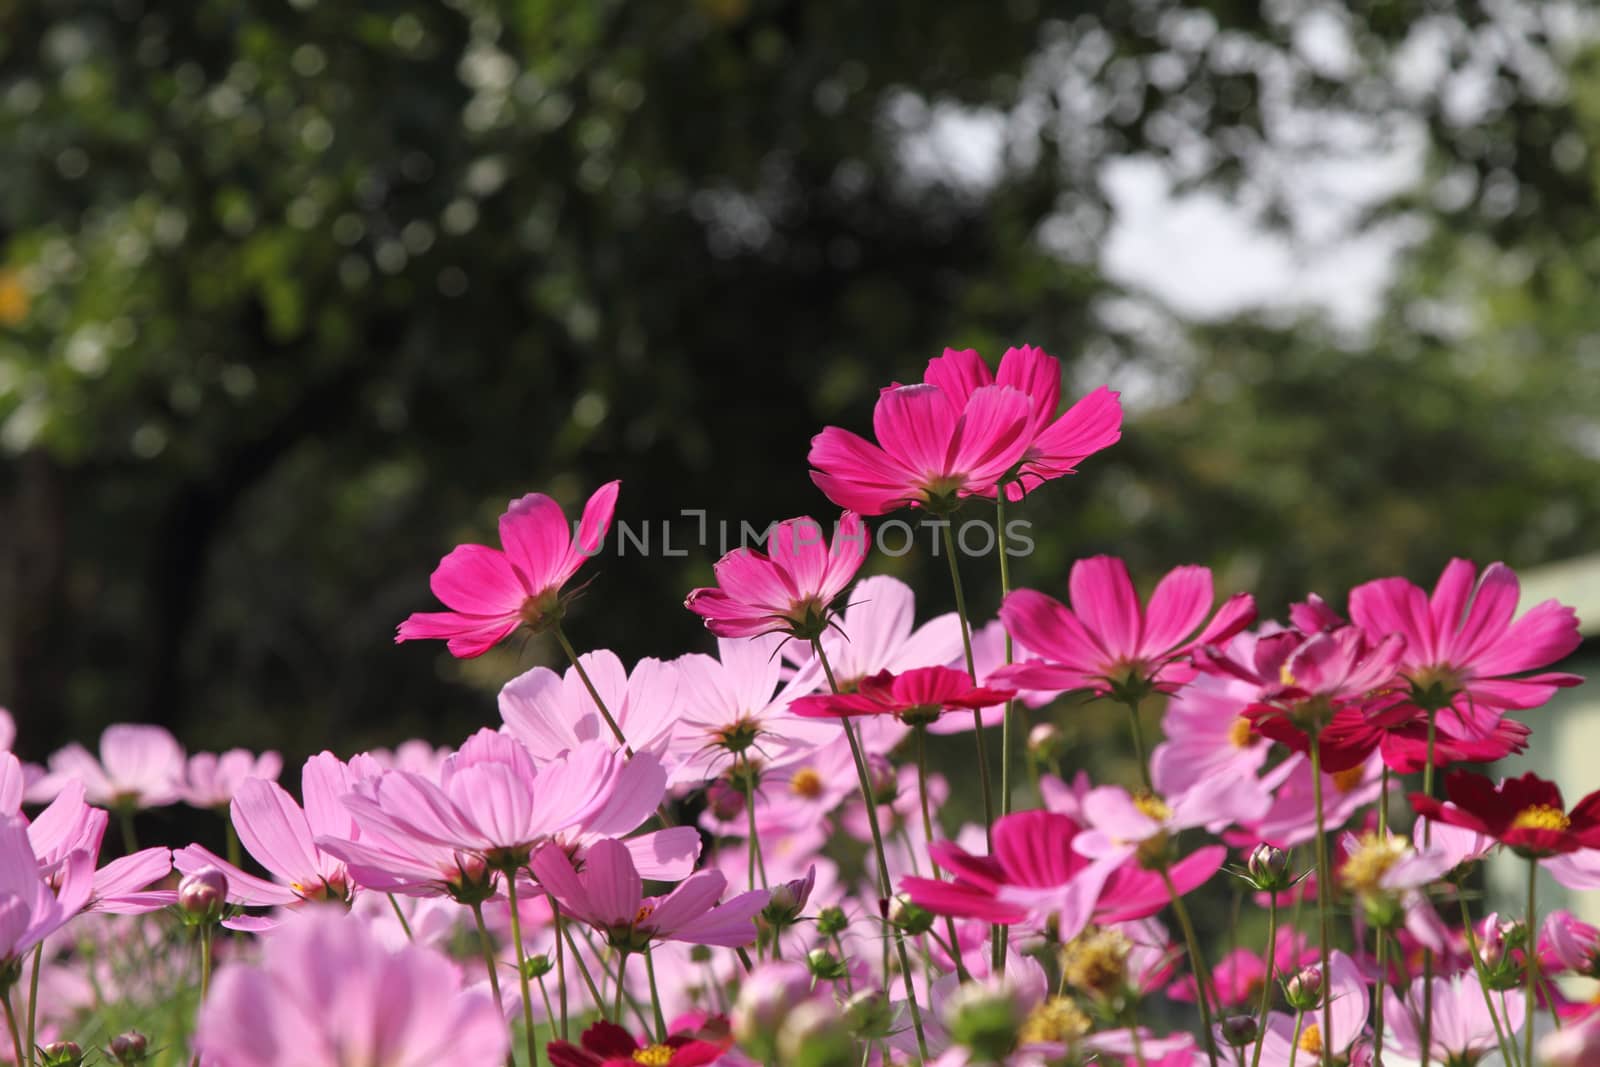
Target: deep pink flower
x,y
917,696
933,449
1106,641
1056,444
327,993
605,1044
1463,650
790,588
491,592
609,895
1567,943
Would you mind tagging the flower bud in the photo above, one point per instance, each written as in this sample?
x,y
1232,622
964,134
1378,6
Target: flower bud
x,y
815,1035
825,965
869,1014
788,899
203,895
128,1048
832,921
537,966
908,917
984,1019
765,1000
1046,743
62,1054
1303,990
885,783
1239,1030
699,954
724,801
1269,868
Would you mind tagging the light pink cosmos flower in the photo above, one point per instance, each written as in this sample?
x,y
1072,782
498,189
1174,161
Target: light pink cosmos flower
x,y
210,780
933,449
328,993
793,587
1283,1043
877,631
1567,943
69,829
1572,1046
1462,1032
736,703
139,767
1119,822
1462,648
29,910
1207,734
1292,819
1578,870
491,592
1106,642
609,895
1056,444
553,714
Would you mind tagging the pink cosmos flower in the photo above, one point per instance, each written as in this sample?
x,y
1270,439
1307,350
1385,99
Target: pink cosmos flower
x,y
491,592
1240,974
1463,650
327,993
915,697
139,767
1119,822
1056,444
1207,733
29,910
1567,943
1283,1043
933,449
210,780
553,714
1462,1028
1292,819
1106,642
736,705
877,631
791,588
67,831
609,895
1572,1046
1578,870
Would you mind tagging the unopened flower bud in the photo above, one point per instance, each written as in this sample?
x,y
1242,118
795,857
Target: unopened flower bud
x,y
885,783
725,802
984,1019
1269,867
908,917
816,1035
1303,990
203,895
869,1014
788,900
1046,743
62,1054
128,1048
832,921
825,965
1239,1030
765,1000
537,966
699,954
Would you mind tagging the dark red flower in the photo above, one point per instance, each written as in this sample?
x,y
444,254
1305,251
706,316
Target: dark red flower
x,y
605,1044
1526,814
915,697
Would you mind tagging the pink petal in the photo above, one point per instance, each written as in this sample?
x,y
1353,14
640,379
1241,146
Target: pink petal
x,y
478,580
1177,608
537,541
1103,598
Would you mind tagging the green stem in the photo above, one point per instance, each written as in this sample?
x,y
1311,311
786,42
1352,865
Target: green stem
x,y
920,732
1138,745
561,960
622,973
1294,1040
756,863
398,914
33,995
594,694
1005,590
522,968
1324,892
1531,954
1383,805
884,888
235,854
130,840
544,993
972,673
583,970
1507,1052
488,956
1202,975
655,997
1266,987
16,1037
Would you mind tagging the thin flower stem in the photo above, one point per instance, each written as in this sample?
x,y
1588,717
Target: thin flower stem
x,y
594,694
1427,839
130,840
1531,955
522,968
235,854
1383,805
583,970
1507,1052
33,994
1294,1040
398,914
488,956
622,972
1324,891
1202,974
1266,986
561,961
1382,986
1005,590
16,1037
972,673
1138,1045
544,992
884,887
655,997
1138,744
756,863
920,732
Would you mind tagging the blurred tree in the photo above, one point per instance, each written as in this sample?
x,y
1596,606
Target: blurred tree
x,y
294,296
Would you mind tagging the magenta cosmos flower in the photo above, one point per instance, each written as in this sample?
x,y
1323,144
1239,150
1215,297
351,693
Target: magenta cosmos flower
x,y
609,895
1056,444
791,588
327,993
1462,649
915,697
491,592
1106,642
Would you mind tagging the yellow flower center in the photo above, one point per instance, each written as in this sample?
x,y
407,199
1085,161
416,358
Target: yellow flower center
x,y
644,912
1286,678
1348,779
1311,1040
1371,860
1096,962
806,783
1057,1019
1153,806
1239,733
654,1056
1541,817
